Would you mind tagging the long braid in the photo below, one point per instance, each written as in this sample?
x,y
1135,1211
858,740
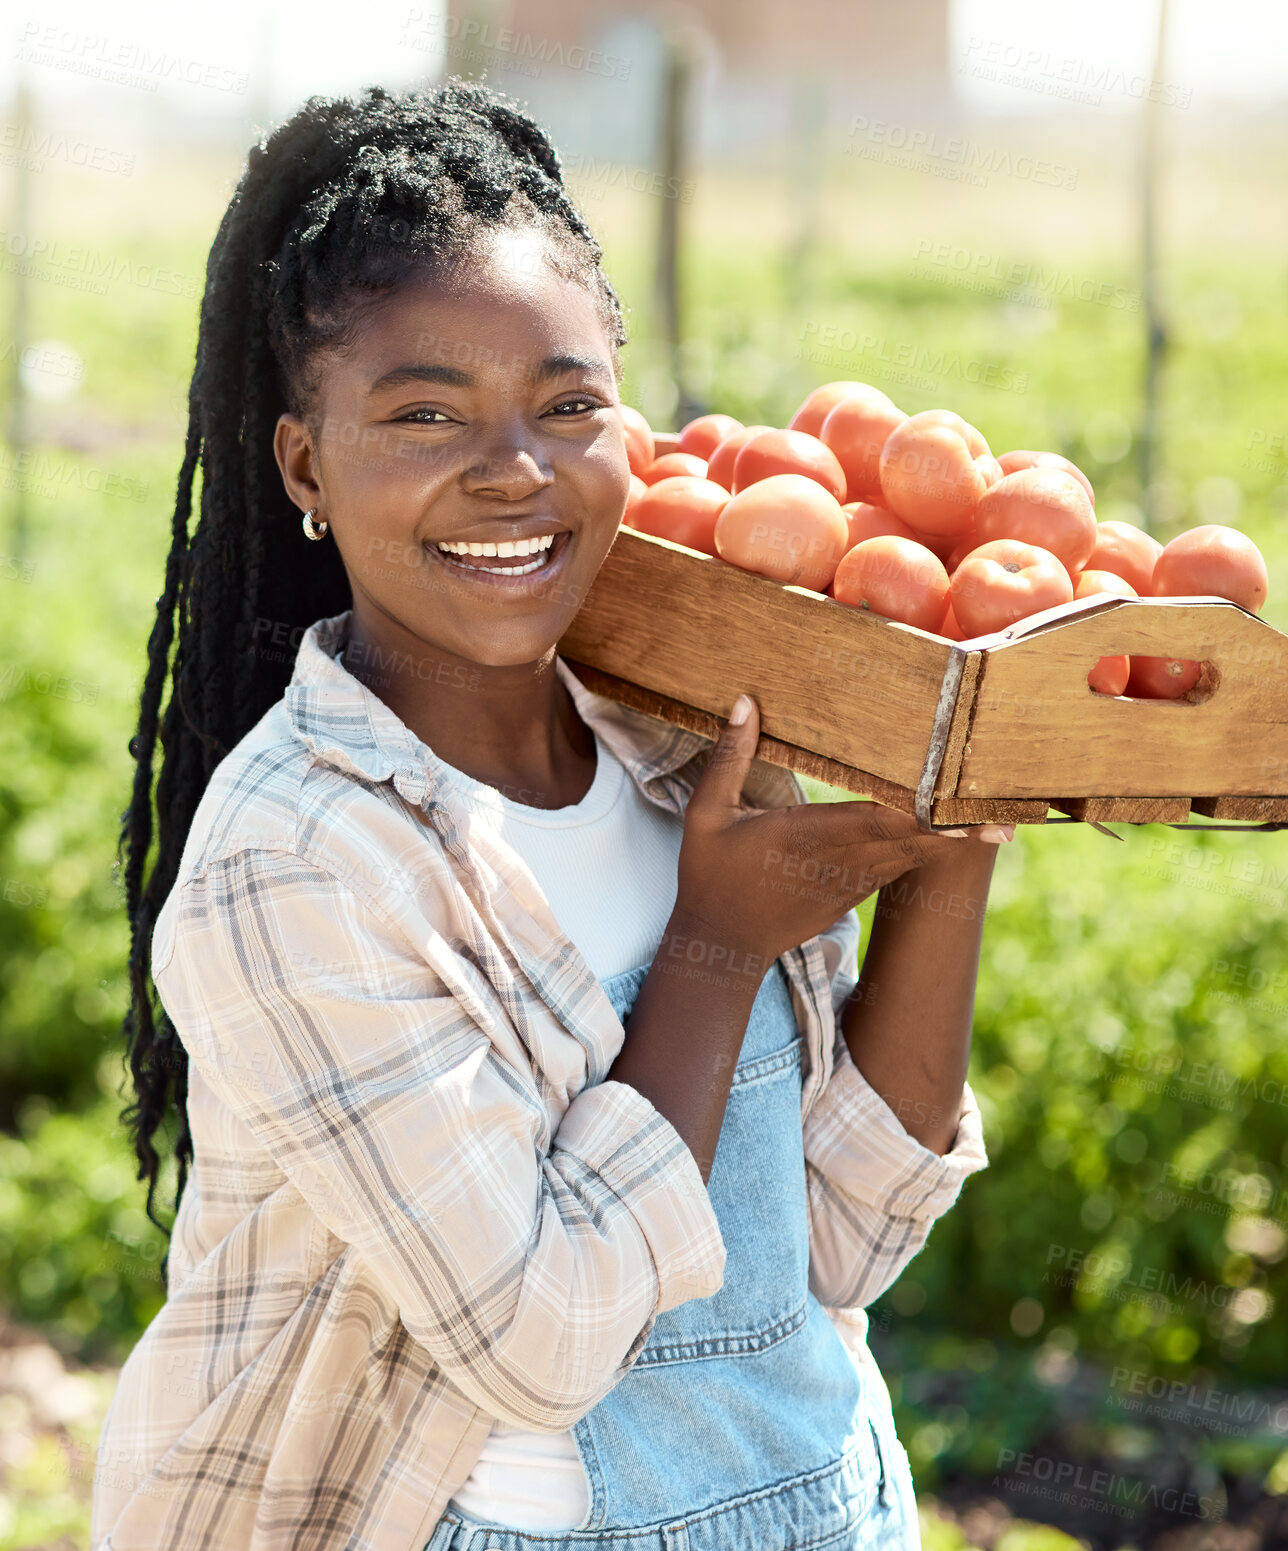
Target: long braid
x,y
305,241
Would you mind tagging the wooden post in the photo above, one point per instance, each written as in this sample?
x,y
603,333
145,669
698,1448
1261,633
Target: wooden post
x,y
805,185
19,431
1156,336
677,72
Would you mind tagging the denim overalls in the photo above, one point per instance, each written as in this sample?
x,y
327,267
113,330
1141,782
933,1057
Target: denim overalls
x,y
744,1424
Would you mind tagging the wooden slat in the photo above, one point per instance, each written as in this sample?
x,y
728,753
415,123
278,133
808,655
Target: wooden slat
x,y
664,442
1126,810
835,681
1038,727
995,810
1257,810
772,750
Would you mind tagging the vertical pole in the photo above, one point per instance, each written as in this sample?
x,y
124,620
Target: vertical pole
x,y
676,77
1155,326
805,185
19,431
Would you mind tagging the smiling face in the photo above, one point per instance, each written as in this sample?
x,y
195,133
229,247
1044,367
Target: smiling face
x,y
479,407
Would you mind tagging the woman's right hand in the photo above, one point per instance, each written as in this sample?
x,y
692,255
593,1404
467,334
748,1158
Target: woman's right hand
x,y
764,880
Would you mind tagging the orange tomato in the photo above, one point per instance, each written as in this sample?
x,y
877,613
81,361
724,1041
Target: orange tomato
x,y
1110,676
786,527
721,462
673,465
869,522
1089,583
819,404
949,626
1212,560
683,510
1004,581
639,438
945,545
637,489
934,468
1046,507
856,430
702,436
1162,678
788,452
1012,462
970,540
896,578
1127,551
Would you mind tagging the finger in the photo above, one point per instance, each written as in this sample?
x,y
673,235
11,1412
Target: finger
x,y
840,824
721,782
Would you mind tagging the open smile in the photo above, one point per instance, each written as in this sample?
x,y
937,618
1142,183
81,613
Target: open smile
x,y
538,558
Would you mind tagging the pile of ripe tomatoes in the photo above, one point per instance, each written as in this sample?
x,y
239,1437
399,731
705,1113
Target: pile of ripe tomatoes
x,y
912,517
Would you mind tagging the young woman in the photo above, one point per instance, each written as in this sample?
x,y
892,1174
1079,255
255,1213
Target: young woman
x,y
545,1146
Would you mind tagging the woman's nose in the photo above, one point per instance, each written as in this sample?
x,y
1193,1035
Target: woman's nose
x,y
506,469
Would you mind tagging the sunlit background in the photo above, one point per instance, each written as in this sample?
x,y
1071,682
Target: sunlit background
x,y
1066,222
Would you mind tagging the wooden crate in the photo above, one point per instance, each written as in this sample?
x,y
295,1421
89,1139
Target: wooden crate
x,y
1002,728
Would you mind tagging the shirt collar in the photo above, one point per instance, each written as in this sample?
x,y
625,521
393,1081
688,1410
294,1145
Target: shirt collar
x,y
345,724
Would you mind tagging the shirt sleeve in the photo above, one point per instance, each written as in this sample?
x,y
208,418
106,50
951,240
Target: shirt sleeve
x,y
874,1191
531,1265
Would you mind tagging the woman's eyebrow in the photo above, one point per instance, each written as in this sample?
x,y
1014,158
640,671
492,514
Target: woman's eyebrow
x,y
453,376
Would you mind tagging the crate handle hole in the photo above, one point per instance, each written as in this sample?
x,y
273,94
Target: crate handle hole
x,y
1203,688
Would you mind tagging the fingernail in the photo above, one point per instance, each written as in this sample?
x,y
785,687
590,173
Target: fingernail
x,y
741,711
996,834
956,834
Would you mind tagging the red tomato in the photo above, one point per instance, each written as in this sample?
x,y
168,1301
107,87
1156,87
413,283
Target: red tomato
x,y
1012,462
702,436
1004,581
819,404
896,578
1162,678
721,462
1127,551
683,510
786,527
1110,675
934,469
1090,583
869,522
638,487
788,452
1046,507
639,438
856,430
673,465
1214,561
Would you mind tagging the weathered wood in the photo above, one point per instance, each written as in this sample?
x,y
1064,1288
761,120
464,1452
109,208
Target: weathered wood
x,y
850,698
1126,810
837,681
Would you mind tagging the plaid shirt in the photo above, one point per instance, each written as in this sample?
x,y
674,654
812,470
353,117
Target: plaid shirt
x,y
416,1204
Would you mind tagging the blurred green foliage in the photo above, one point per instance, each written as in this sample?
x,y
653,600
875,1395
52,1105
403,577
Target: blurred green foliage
x,y
1131,994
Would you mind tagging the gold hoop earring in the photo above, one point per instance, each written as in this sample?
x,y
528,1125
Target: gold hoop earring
x,y
314,530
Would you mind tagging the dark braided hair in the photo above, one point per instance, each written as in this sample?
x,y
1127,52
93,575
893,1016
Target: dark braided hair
x,y
334,210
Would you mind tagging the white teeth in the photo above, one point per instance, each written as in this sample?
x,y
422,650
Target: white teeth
x,y
534,546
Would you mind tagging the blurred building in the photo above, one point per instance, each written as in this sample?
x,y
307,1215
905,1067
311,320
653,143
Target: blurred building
x,y
765,71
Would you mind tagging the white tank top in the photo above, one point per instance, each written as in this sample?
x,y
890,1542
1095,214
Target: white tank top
x,y
607,865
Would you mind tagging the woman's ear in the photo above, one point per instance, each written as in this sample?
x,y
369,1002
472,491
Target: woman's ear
x,y
294,449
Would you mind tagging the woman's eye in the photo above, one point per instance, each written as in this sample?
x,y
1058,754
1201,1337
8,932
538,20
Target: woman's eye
x,y
575,406
414,416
